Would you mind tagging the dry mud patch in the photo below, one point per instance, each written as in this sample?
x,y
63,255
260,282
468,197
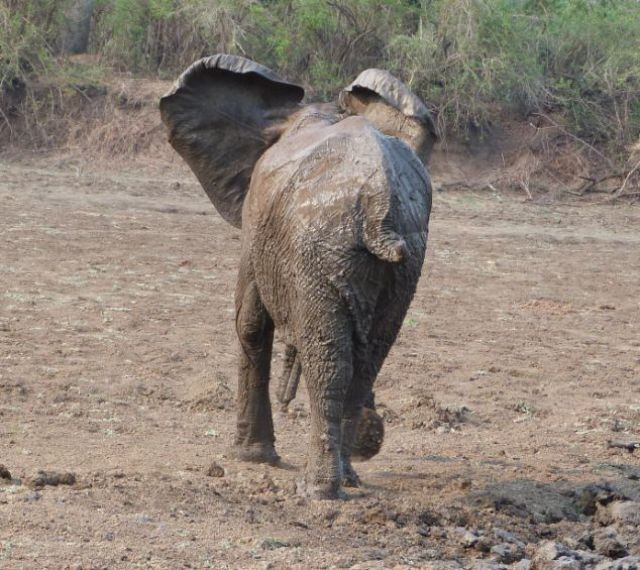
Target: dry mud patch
x,y
519,360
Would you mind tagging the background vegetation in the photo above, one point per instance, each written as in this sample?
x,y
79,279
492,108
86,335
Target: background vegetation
x,y
476,62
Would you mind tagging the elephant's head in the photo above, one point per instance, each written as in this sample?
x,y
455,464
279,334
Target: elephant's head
x,y
392,108
225,111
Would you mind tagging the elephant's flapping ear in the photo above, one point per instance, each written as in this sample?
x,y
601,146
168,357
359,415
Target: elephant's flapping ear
x,y
222,114
392,108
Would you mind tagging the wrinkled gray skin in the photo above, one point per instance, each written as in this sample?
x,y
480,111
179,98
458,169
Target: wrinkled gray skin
x,y
333,202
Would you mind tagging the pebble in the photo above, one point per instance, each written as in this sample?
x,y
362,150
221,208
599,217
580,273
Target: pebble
x,y
507,536
470,539
507,553
627,563
52,478
549,550
4,473
215,470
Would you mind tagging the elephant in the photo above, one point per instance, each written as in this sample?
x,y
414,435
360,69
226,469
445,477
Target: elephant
x,y
370,433
333,203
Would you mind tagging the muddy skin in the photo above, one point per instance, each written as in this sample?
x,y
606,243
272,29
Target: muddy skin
x,y
334,203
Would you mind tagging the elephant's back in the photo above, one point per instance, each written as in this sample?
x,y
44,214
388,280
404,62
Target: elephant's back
x,y
324,177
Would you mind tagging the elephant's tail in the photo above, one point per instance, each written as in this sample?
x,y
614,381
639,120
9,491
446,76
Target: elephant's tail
x,y
379,237
386,245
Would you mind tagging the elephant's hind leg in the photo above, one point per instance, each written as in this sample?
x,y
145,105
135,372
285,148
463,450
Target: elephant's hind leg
x,y
368,358
326,360
255,438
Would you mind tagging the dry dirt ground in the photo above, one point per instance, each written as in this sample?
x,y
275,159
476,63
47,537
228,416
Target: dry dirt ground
x,y
518,361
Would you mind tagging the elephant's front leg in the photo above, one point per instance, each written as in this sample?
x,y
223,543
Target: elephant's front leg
x,y
255,438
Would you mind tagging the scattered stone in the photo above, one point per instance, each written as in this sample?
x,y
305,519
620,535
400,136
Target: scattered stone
x,y
607,542
369,565
479,564
627,563
507,553
4,473
52,479
141,518
470,539
524,564
442,565
507,536
584,542
273,544
215,470
484,544
588,558
32,497
563,557
565,563
549,550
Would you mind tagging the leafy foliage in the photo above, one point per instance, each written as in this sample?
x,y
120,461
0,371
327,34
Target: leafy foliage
x,y
474,61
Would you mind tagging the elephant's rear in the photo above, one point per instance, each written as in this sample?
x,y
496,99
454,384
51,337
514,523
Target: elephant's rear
x,y
350,207
356,188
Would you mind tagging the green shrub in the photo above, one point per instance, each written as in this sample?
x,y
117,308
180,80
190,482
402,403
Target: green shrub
x,y
26,32
475,61
479,61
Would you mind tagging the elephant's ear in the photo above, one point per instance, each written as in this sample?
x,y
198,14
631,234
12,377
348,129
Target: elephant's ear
x,y
392,108
223,112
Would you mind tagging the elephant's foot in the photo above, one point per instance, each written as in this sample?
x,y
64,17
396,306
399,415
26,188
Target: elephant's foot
x,y
255,453
369,436
321,490
349,476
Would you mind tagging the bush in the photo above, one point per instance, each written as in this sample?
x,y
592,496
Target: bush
x,y
476,62
26,29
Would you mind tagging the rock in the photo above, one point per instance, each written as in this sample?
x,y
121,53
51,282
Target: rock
x,y
469,539
592,496
215,470
584,542
507,536
524,564
528,500
627,563
442,565
588,558
488,565
273,544
557,555
484,544
52,478
507,553
4,473
622,512
564,562
549,550
607,542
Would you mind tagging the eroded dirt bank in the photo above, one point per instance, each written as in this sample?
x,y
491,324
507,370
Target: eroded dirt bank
x,y
518,361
